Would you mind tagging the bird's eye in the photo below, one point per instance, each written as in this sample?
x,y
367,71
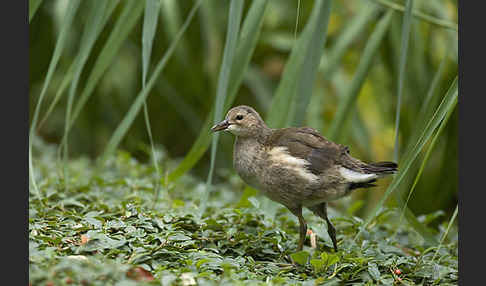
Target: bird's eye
x,y
239,117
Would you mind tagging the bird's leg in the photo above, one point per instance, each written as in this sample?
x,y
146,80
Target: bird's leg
x,y
321,211
303,226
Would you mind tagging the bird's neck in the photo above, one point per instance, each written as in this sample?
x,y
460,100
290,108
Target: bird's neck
x,y
258,137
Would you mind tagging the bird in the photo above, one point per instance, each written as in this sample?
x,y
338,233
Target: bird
x,y
296,166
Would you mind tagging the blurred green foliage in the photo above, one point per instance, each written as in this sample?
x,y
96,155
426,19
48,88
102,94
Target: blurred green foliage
x,y
184,93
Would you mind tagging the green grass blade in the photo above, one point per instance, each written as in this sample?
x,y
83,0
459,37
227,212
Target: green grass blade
x,y
249,34
152,8
426,158
407,22
444,23
69,74
171,17
33,7
429,98
171,22
429,103
297,20
411,218
124,24
308,74
448,103
247,41
350,34
90,34
127,121
234,19
71,11
364,66
281,109
454,215
66,80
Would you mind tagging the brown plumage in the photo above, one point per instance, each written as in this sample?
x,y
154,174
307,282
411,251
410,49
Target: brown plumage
x,y
296,167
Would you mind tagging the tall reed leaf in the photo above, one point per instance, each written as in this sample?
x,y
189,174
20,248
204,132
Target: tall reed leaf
x,y
425,111
234,19
90,34
453,217
66,24
66,80
172,20
448,103
308,74
127,121
124,24
407,22
152,8
431,99
246,45
444,23
281,111
247,41
362,71
33,6
425,160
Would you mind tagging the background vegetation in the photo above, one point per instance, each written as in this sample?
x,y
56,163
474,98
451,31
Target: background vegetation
x,y
150,77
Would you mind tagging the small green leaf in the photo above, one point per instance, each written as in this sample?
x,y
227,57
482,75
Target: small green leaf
x,y
318,264
300,257
332,259
179,237
202,261
373,271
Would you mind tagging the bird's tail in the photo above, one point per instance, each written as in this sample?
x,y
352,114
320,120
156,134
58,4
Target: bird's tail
x,y
381,168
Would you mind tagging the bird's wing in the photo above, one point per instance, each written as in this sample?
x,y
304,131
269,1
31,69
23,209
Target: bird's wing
x,y
321,154
306,143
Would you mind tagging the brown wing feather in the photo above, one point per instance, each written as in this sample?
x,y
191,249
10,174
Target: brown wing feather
x,y
308,144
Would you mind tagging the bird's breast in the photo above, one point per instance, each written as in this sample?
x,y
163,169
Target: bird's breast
x,y
248,162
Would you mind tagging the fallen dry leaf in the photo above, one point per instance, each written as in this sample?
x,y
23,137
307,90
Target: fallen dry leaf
x,y
139,274
84,239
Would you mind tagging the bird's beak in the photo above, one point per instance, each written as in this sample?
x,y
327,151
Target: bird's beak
x,y
220,126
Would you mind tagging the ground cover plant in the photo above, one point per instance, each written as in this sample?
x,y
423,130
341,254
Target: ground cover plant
x,y
106,231
128,185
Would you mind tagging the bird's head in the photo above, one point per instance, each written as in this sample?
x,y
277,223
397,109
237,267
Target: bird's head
x,y
242,121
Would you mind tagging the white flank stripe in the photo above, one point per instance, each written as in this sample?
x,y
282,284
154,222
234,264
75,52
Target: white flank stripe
x,y
281,156
356,177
